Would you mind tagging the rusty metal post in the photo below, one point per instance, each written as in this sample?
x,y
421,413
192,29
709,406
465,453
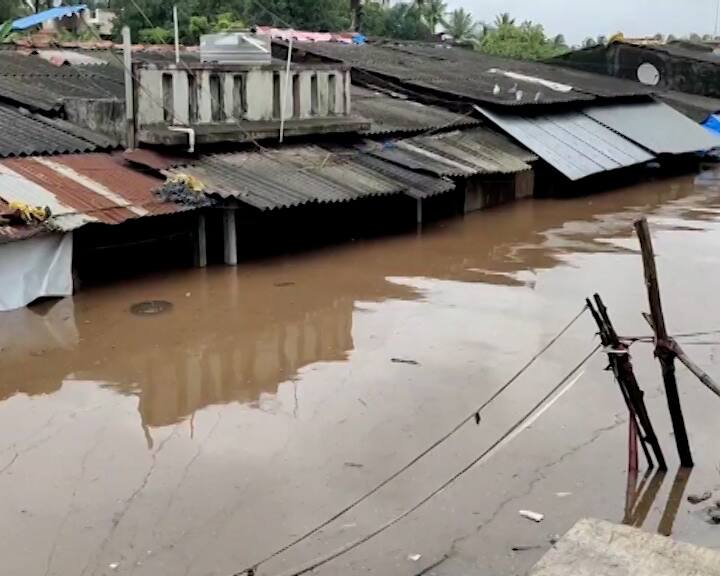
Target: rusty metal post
x,y
662,350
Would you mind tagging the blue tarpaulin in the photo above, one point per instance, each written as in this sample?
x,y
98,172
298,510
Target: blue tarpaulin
x,y
712,123
35,19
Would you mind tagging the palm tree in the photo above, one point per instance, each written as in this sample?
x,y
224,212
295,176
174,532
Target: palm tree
x,y
503,20
433,12
460,25
559,41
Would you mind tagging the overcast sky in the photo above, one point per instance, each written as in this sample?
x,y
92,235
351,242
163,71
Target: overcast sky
x,y
578,19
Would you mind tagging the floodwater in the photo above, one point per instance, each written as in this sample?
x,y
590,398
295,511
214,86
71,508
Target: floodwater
x,y
198,440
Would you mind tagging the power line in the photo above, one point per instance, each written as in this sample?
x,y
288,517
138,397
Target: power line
x,y
418,457
515,427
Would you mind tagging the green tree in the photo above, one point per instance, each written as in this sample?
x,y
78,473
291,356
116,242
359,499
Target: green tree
x,y
434,13
589,42
559,41
460,25
526,41
504,20
405,22
373,21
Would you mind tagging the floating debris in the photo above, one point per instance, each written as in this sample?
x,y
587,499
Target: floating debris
x,y
405,361
414,557
530,515
151,307
697,498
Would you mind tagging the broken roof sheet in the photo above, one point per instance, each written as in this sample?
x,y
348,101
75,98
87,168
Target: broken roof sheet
x,y
24,134
396,115
83,188
296,175
655,126
469,74
572,142
457,153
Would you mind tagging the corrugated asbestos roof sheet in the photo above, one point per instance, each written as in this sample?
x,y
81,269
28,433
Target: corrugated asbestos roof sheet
x,y
391,115
39,85
655,126
572,142
82,188
695,107
297,175
457,153
24,134
469,74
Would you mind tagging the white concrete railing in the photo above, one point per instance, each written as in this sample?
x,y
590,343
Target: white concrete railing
x,y
215,94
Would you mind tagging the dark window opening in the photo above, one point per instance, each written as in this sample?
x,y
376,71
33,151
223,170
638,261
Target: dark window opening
x,y
314,94
217,100
193,98
332,94
276,95
168,98
296,96
239,96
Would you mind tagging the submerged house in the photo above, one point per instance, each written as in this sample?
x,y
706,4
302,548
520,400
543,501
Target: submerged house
x,y
685,75
580,124
348,138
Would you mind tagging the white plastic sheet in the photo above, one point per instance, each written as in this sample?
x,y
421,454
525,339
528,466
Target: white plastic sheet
x,y
36,267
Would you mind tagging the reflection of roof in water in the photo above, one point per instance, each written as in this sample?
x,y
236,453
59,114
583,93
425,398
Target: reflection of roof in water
x,y
236,334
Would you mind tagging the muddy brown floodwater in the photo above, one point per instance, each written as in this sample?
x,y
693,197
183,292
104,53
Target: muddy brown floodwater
x,y
196,440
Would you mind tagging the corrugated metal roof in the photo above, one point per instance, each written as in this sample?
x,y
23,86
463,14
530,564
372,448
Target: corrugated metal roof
x,y
51,14
301,174
457,153
23,134
572,142
82,188
469,74
655,126
390,115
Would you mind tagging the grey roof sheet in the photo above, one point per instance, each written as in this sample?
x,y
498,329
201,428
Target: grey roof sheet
x,y
572,142
469,74
458,153
24,134
37,84
395,115
695,107
300,174
655,126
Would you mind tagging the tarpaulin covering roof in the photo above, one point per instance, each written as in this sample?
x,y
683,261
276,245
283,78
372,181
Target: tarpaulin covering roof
x,y
572,142
51,14
468,74
655,126
24,134
457,153
82,188
300,174
391,115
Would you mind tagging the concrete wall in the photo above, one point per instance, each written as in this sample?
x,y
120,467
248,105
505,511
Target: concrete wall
x,y
485,191
212,95
103,116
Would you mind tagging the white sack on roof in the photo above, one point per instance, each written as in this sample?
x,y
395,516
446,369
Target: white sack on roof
x,y
33,268
556,86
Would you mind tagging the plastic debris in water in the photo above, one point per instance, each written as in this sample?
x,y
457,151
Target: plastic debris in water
x,y
414,557
530,515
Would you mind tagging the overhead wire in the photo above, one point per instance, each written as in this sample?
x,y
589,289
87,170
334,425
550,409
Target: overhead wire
x,y
475,461
470,417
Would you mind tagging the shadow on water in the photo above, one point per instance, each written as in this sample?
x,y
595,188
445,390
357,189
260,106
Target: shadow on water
x,y
236,334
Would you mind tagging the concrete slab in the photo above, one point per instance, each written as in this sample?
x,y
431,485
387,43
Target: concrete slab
x,y
599,548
